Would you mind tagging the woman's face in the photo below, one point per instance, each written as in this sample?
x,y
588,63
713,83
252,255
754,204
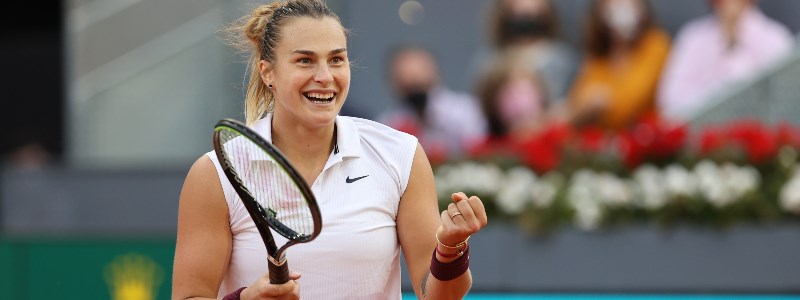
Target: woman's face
x,y
527,7
519,101
623,16
311,74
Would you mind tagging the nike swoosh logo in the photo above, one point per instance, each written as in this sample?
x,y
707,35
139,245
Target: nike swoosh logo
x,y
349,180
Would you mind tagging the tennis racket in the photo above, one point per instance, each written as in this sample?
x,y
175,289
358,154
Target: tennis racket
x,y
274,193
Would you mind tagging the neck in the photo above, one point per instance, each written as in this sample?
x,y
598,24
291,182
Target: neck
x,y
302,144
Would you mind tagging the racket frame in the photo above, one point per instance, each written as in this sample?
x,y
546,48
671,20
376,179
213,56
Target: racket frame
x,y
261,217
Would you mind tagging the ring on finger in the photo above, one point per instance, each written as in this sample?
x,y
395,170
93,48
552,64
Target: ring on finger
x,y
453,215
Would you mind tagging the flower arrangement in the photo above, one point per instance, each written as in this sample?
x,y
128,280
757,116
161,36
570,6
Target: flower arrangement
x,y
740,171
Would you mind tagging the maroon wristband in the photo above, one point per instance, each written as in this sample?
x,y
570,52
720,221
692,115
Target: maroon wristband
x,y
451,270
234,295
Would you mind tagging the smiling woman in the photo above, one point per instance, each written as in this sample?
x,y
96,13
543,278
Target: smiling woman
x,y
374,185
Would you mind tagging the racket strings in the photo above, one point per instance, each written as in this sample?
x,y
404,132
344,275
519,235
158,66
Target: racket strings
x,y
270,185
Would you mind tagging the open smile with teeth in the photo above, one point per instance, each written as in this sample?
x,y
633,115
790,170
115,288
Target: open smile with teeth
x,y
320,98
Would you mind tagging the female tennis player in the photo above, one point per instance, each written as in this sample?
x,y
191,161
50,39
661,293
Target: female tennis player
x,y
374,185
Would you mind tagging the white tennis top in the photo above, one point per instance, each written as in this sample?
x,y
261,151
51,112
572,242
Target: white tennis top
x,y
357,254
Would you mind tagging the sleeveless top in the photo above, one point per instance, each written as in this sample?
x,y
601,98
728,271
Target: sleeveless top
x,y
357,254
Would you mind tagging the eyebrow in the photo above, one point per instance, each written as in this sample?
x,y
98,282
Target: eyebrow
x,y
309,52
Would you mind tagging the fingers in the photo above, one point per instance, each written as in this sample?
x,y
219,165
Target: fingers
x,y
470,209
294,275
462,218
458,197
480,211
263,289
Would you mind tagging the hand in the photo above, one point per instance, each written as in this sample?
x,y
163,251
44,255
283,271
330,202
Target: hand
x,y
263,289
468,217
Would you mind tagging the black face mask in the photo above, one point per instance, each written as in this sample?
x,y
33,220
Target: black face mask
x,y
418,100
525,26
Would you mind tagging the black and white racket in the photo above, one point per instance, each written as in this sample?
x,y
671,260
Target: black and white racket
x,y
274,193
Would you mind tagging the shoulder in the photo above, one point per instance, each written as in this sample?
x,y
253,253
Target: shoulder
x,y
203,171
202,188
699,28
373,132
767,27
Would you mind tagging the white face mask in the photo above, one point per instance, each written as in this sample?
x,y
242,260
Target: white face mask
x,y
623,17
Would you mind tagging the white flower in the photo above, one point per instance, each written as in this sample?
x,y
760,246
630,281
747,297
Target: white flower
x,y
546,188
713,184
679,181
649,186
587,214
742,180
581,194
611,190
483,179
516,190
790,194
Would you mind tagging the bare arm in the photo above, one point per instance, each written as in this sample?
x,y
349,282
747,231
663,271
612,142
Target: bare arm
x,y
203,246
418,222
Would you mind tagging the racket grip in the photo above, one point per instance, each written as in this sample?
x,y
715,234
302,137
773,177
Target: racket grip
x,y
278,274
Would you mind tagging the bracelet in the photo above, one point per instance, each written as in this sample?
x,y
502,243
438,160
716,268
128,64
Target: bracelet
x,y
459,253
452,270
234,295
457,246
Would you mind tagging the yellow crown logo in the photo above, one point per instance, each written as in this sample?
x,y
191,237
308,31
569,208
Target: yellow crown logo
x,y
133,277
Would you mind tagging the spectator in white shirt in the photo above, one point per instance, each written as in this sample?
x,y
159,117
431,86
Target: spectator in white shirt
x,y
736,42
445,121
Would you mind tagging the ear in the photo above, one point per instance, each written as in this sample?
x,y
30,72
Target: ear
x,y
265,69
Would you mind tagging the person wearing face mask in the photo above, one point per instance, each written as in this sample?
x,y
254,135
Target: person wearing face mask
x,y
626,51
734,43
513,100
428,109
529,31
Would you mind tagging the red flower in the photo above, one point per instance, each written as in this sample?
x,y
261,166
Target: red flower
x,y
651,139
711,139
539,154
788,134
756,140
591,139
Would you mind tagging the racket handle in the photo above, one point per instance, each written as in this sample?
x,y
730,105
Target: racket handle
x,y
278,274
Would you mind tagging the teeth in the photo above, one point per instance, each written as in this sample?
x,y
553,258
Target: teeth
x,y
322,96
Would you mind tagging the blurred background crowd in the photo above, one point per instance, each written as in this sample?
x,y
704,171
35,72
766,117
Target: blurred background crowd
x,y
108,102
625,68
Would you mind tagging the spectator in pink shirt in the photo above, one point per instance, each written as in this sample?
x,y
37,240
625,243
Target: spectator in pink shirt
x,y
711,53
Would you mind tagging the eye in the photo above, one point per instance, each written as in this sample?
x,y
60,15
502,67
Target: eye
x,y
304,60
337,60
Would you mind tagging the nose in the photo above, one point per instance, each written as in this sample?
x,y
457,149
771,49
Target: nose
x,y
323,74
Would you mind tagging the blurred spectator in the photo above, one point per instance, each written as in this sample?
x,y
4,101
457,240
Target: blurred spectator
x,y
735,42
626,51
529,30
513,99
445,121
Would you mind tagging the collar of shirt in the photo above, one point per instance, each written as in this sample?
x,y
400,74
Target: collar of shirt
x,y
348,141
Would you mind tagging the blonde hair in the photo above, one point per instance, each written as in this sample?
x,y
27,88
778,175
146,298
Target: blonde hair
x,y
258,34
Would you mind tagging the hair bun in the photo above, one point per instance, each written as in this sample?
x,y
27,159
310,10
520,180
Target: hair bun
x,y
256,24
